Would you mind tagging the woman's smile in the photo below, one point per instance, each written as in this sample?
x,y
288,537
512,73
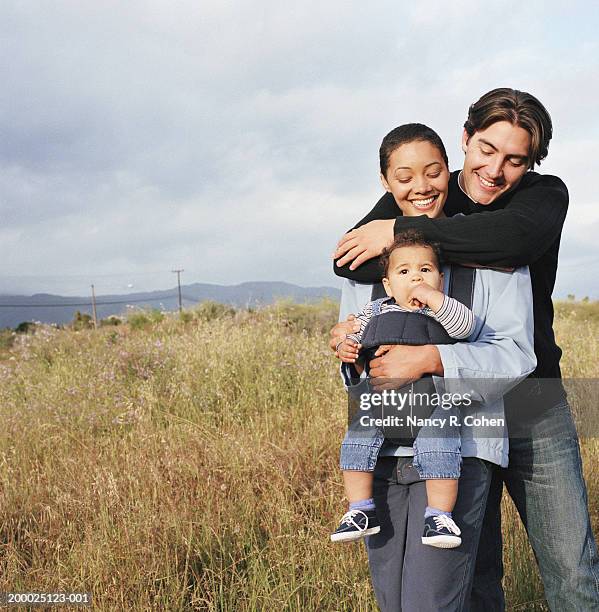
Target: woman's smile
x,y
425,204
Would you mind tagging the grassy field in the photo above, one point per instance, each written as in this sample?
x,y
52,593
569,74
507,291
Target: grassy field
x,y
191,463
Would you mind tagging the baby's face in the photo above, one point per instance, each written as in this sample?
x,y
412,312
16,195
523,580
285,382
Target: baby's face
x,y
418,178
410,266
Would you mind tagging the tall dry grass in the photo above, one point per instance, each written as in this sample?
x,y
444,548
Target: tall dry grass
x,y
192,464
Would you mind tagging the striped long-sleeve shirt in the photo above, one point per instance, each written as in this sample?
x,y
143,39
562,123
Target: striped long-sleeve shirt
x,y
456,318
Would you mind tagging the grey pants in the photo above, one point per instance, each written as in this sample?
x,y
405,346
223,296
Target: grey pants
x,y
408,576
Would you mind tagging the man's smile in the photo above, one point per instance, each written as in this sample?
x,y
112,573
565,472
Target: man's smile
x,y
487,184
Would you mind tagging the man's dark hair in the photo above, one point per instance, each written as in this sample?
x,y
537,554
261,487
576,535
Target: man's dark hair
x,y
408,238
519,108
404,134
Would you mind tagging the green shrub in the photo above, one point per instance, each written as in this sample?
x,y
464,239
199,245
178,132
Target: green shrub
x,y
317,317
111,320
82,321
156,316
210,310
185,316
138,320
25,327
7,338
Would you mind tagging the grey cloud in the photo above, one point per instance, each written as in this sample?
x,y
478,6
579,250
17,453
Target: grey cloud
x,y
142,135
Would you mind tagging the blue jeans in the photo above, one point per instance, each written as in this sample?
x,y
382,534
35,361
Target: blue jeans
x,y
544,478
436,448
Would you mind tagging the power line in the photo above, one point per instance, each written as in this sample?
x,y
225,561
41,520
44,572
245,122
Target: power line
x,y
85,275
191,299
71,304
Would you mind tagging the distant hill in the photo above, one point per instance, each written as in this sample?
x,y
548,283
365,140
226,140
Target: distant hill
x,y
58,309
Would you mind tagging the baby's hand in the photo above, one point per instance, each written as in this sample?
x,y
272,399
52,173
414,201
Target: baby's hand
x,y
425,295
340,331
348,351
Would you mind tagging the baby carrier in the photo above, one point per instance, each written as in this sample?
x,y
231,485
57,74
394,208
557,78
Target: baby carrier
x,y
411,328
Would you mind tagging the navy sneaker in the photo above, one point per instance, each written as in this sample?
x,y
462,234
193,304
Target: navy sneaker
x,y
356,524
441,531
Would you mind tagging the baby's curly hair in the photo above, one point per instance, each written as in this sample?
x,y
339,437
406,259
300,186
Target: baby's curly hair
x,y
407,238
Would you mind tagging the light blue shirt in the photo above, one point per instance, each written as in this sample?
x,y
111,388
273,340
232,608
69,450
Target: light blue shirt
x,y
496,357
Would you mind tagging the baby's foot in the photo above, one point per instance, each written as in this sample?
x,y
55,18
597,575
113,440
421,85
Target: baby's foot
x,y
355,525
441,531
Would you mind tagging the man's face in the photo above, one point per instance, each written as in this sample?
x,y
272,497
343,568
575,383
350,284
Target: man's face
x,y
496,160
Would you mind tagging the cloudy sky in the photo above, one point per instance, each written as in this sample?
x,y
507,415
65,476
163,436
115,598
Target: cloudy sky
x,y
238,140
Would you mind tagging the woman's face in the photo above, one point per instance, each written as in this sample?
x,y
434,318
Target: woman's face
x,y
417,177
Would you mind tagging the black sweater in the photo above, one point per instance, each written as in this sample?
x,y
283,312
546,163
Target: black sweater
x,y
523,227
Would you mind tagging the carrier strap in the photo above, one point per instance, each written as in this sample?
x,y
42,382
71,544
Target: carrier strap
x,y
378,292
461,284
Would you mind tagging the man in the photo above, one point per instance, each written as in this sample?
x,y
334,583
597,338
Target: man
x,y
507,132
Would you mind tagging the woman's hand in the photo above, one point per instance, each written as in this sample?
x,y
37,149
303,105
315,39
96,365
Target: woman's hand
x,y
364,243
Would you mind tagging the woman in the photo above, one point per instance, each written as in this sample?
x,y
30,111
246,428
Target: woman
x,y
405,574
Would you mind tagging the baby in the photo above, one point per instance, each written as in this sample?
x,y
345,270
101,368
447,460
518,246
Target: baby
x,y
413,281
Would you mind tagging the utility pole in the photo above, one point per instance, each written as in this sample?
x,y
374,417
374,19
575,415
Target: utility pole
x,y
94,308
178,272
